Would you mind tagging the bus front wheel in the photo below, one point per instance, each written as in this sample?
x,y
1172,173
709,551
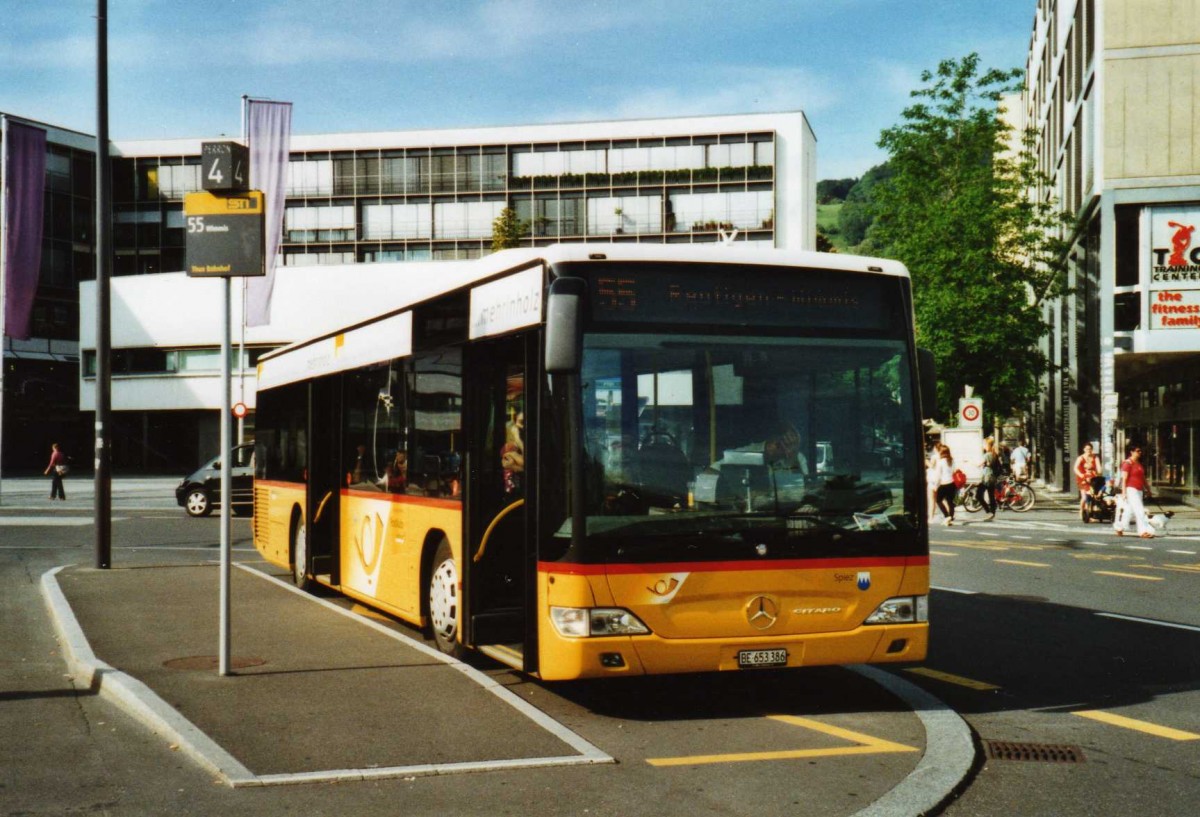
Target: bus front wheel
x,y
300,553
444,600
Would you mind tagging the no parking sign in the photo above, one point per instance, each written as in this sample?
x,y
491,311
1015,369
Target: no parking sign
x,y
970,412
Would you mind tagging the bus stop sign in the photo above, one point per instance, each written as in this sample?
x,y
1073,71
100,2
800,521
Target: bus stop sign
x,y
224,237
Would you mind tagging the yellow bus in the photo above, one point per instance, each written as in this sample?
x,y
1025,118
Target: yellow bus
x,y
592,460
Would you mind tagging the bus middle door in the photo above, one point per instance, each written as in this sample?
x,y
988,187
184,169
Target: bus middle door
x,y
499,563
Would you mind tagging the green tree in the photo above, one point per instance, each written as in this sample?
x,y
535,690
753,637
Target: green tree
x,y
858,214
507,230
831,190
982,251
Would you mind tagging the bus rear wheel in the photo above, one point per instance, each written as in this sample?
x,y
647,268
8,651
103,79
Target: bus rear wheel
x,y
444,600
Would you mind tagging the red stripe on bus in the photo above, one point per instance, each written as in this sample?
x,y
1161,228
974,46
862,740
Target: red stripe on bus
x,y
576,569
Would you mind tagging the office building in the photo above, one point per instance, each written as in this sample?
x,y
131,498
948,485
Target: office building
x,y
1110,92
363,207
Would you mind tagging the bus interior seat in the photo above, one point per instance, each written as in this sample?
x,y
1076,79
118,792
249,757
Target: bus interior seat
x,y
663,472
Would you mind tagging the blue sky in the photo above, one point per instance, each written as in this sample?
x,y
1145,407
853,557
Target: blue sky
x,y
178,68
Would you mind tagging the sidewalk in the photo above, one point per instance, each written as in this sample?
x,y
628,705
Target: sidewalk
x,y
358,701
128,493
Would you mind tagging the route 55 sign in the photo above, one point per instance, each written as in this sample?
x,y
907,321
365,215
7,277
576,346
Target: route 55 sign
x,y
225,167
970,412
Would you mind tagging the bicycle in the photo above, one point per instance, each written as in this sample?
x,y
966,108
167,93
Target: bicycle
x,y
1010,493
1014,494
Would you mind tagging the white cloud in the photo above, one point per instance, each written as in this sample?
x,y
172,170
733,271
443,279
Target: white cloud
x,y
720,90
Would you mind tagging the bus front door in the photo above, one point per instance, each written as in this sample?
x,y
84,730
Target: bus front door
x,y
500,560
324,479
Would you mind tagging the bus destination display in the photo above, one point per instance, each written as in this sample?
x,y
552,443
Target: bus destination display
x,y
759,296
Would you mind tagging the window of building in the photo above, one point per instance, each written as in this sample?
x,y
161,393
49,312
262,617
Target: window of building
x,y
752,210
1128,240
624,214
328,223
310,177
174,181
465,219
389,221
734,155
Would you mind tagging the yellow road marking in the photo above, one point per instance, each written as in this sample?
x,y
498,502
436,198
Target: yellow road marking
x,y
1127,575
1140,726
1021,564
1184,568
973,545
982,686
1108,557
865,745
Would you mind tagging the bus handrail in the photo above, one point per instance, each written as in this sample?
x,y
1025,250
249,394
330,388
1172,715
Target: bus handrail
x,y
492,526
321,507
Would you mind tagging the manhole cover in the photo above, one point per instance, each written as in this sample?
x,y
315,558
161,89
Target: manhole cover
x,y
211,662
1037,752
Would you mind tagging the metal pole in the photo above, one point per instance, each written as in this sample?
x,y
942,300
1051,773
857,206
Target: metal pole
x,y
226,470
103,475
3,274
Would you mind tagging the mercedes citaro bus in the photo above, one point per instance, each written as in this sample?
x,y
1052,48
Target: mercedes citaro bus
x,y
590,460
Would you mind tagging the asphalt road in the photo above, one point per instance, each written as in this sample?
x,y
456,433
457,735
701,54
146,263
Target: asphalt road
x,y
1082,647
1049,637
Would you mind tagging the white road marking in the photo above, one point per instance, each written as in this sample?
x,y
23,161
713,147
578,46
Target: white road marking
x,y
1156,623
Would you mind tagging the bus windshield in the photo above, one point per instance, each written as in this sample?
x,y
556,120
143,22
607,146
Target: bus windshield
x,y
717,433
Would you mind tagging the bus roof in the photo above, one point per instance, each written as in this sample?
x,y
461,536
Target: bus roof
x,y
389,301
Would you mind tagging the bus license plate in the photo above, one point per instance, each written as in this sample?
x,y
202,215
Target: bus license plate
x,y
762,658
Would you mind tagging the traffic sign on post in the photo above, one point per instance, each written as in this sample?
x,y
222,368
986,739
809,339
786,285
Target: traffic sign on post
x,y
224,235
970,412
225,167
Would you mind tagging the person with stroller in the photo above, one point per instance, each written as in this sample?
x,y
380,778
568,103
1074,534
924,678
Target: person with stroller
x,y
1102,500
1087,467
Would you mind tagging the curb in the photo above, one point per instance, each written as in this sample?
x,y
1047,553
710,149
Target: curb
x,y
949,751
164,720
131,694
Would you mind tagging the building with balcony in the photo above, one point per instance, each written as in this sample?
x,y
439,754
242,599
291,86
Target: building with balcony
x,y
1110,91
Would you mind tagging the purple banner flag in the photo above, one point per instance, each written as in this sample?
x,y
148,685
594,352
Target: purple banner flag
x,y
25,187
269,128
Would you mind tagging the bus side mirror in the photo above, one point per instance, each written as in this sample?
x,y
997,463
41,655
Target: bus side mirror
x,y
927,374
564,325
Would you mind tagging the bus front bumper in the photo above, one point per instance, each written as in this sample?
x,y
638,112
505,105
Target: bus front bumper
x,y
569,658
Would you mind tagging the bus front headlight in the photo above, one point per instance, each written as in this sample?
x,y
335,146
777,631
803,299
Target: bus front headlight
x,y
901,610
582,622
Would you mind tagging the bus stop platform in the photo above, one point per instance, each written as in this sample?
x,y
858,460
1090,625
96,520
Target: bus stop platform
x,y
315,693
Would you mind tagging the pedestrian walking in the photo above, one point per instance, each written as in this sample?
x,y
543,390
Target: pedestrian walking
x,y
57,469
931,479
1134,487
1087,467
1019,458
945,484
986,491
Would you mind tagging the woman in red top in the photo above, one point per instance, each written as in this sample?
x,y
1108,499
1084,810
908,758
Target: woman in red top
x,y
1133,488
56,469
1087,466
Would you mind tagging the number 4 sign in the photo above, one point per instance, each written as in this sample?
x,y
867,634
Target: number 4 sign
x,y
225,167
